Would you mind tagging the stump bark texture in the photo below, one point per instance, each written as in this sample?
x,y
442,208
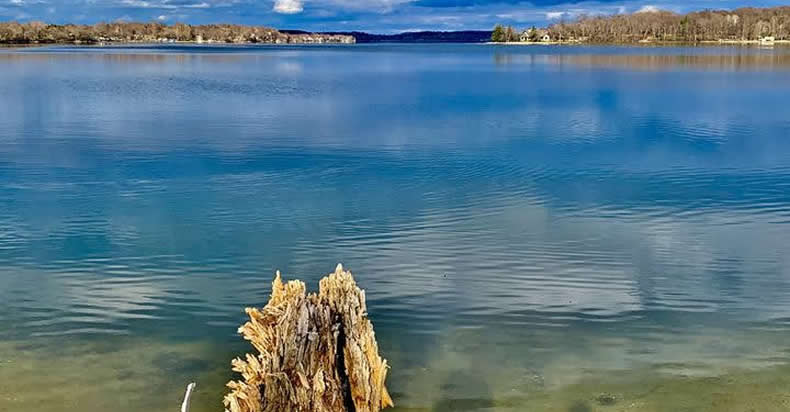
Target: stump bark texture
x,y
316,352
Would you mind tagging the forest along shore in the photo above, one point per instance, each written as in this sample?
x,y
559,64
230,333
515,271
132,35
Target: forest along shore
x,y
741,26
42,33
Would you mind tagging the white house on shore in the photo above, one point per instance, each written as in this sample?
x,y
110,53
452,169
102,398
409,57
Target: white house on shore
x,y
533,34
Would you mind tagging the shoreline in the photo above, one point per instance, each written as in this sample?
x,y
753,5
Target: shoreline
x,y
126,42
642,43
532,43
31,33
323,39
515,43
759,42
127,373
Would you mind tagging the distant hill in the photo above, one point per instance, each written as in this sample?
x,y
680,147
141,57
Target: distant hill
x,y
465,36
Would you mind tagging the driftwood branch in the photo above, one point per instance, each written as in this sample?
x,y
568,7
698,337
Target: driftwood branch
x,y
315,352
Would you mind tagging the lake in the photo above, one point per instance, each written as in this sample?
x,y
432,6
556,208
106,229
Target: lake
x,y
543,228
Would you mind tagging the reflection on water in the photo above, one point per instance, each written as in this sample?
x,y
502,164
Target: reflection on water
x,y
530,235
656,59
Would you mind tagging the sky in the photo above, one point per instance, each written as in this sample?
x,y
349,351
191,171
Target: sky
x,y
377,16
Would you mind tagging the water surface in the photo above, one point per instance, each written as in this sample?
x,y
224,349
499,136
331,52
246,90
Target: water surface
x,y
537,228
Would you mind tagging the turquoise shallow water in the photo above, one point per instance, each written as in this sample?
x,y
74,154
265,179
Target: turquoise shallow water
x,y
522,218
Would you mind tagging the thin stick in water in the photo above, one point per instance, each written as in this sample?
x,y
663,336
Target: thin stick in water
x,y
187,397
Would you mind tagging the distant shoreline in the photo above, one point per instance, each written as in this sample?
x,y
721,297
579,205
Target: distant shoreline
x,y
207,43
746,25
642,43
164,43
536,44
112,33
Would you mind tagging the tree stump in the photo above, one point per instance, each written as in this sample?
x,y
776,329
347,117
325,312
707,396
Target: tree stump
x,y
316,352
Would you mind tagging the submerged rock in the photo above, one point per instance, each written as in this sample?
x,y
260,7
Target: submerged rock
x,y
316,352
606,399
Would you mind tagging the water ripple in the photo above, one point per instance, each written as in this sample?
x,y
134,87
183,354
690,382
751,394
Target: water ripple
x,y
597,218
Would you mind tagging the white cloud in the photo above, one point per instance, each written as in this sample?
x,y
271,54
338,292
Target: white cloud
x,y
21,3
163,4
441,20
648,9
554,15
520,16
288,6
162,17
375,6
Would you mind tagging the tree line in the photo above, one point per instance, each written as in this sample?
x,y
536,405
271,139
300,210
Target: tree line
x,y
37,32
502,34
744,24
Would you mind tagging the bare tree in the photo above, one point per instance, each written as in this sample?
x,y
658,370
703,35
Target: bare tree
x,y
706,25
37,32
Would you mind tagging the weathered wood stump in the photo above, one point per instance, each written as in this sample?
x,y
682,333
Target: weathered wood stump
x,y
316,352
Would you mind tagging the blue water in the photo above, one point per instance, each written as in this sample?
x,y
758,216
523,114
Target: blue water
x,y
535,208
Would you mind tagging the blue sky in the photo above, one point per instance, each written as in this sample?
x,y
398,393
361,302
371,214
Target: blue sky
x,y
382,16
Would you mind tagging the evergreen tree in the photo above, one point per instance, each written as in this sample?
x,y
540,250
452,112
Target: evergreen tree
x,y
498,35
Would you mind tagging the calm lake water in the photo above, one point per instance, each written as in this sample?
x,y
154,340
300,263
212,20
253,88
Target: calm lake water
x,y
537,228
